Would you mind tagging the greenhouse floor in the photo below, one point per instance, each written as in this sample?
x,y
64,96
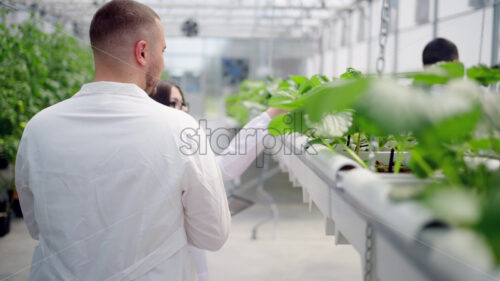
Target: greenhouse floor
x,y
297,249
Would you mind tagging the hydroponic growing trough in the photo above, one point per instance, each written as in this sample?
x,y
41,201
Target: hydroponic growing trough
x,y
395,240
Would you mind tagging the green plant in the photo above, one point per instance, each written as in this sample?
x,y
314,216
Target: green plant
x,y
450,127
37,69
484,75
252,98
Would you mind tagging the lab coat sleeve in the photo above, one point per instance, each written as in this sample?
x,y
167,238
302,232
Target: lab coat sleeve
x,y
244,147
206,210
23,188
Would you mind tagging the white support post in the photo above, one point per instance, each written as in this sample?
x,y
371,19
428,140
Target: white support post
x,y
321,49
349,39
435,19
494,41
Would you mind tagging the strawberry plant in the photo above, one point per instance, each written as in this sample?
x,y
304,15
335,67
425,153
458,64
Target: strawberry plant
x,y
252,99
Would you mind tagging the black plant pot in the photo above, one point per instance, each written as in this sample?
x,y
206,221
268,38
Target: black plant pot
x,y
15,205
16,208
3,162
5,216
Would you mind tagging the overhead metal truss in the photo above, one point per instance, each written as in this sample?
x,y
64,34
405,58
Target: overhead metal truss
x,y
223,18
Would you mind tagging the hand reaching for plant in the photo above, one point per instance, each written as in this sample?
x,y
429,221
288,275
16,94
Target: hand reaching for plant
x,y
274,112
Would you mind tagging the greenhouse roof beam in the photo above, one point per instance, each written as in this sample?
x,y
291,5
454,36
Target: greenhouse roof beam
x,y
207,17
248,32
207,21
288,18
208,14
296,14
199,5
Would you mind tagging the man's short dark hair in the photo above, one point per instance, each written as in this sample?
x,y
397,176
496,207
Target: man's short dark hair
x,y
118,19
439,50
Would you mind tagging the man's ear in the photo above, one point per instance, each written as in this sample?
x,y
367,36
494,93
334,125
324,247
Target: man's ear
x,y
140,52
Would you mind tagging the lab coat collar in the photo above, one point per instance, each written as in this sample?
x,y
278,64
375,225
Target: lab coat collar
x,y
114,88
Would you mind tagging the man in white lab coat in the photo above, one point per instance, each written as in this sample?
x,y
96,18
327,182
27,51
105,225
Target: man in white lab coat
x,y
101,178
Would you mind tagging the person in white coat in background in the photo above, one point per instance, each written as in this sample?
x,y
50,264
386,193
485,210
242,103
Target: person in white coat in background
x,y
102,182
233,161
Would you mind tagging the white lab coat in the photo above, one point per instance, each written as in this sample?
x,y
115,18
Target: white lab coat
x,y
244,147
233,161
104,187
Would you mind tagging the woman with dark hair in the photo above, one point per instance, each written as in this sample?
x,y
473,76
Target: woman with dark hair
x,y
241,152
170,94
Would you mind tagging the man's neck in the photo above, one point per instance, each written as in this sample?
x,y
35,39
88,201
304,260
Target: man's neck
x,y
102,74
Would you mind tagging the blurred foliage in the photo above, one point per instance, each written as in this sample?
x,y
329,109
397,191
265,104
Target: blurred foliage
x,y
440,73
448,124
37,69
252,99
484,75
351,73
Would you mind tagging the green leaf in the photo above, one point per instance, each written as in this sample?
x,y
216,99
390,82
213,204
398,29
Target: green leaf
x,y
324,78
428,79
454,129
489,224
439,73
314,141
298,79
439,147
284,84
484,75
305,87
333,97
318,79
238,112
332,125
454,69
423,162
351,73
285,100
288,123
